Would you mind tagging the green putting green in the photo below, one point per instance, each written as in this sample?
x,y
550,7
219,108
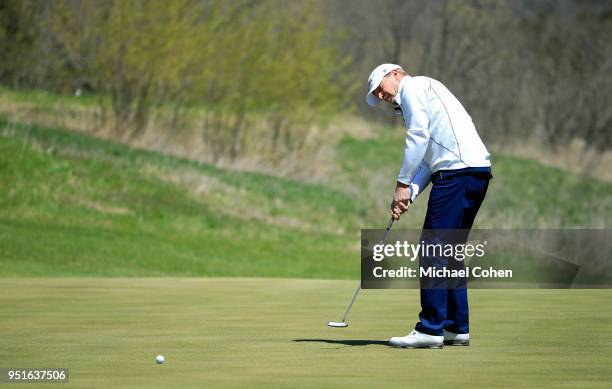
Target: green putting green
x,y
259,332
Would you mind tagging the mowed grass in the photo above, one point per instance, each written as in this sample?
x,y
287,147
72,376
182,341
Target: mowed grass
x,y
271,333
81,209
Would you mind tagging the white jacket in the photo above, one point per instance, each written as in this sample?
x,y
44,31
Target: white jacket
x,y
440,133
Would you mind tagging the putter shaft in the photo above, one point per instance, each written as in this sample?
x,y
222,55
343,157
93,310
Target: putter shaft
x,y
382,240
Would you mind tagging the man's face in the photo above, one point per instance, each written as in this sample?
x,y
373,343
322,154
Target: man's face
x,y
387,90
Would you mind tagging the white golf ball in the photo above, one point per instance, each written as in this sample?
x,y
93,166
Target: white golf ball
x,y
160,359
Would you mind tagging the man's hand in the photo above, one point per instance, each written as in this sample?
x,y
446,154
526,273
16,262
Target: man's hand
x,y
401,200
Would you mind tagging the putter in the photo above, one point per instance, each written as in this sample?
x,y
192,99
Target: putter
x,y
343,323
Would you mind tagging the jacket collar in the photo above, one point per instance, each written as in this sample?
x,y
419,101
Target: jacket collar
x,y
402,85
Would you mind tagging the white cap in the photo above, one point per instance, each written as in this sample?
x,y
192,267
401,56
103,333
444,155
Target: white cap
x,y
376,78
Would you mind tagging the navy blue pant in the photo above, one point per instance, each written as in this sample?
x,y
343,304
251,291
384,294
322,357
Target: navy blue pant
x,y
456,196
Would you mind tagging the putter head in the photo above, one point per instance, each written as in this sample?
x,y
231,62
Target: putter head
x,y
337,324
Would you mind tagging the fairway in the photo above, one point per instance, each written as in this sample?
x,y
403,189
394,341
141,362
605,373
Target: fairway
x,y
271,332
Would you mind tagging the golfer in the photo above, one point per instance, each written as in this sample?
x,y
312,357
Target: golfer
x,y
442,146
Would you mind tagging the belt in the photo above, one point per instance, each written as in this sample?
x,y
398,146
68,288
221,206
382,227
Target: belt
x,y
468,171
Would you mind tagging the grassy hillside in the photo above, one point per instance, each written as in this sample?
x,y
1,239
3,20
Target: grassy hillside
x,y
72,205
522,194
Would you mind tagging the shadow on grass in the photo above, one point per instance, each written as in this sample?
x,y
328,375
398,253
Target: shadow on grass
x,y
348,342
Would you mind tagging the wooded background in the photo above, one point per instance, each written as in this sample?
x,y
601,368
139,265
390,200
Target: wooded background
x,y
254,76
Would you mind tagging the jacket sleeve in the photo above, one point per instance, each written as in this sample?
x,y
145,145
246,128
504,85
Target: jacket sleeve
x,y
420,181
413,100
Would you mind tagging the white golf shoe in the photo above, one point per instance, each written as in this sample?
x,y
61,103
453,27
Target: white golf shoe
x,y
416,339
452,339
